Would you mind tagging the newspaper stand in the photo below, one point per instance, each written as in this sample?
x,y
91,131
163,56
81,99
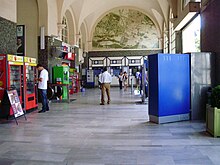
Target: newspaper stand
x,y
11,100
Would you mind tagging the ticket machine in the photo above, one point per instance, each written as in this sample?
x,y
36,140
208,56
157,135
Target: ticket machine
x,y
61,76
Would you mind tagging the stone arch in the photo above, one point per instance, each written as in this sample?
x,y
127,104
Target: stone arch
x,y
84,36
71,27
43,14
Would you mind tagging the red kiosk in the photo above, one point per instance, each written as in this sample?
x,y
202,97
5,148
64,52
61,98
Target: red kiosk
x,y
11,77
74,81
30,85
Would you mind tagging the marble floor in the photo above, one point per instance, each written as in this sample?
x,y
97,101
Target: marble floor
x,y
86,133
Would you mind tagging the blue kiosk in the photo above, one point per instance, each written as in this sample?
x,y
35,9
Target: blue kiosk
x,y
169,87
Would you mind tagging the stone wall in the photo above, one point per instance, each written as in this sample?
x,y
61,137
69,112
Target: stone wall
x,y
210,33
7,37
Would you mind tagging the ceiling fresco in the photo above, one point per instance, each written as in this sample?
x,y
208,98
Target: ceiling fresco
x,y
125,29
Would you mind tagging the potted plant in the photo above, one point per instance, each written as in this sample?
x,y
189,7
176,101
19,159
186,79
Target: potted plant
x,y
213,112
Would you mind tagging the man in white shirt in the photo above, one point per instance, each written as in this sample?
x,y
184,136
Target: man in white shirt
x,y
42,87
138,79
100,80
105,80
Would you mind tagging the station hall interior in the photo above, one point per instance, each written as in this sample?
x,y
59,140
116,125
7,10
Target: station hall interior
x,y
165,118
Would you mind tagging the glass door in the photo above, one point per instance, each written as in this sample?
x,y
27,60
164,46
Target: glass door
x,y
15,78
30,75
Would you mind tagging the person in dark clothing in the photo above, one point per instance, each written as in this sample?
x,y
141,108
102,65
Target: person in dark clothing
x,y
120,80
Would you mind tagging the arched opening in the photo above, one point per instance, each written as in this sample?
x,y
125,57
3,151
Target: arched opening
x,y
65,32
70,27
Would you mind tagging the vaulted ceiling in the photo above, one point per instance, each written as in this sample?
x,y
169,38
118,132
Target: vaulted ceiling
x,y
88,12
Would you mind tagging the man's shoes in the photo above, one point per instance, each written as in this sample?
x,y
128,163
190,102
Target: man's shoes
x,y
102,104
47,109
41,111
108,102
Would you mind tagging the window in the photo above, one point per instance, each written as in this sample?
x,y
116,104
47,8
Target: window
x,y
172,36
191,36
65,31
80,43
173,41
166,44
185,2
165,41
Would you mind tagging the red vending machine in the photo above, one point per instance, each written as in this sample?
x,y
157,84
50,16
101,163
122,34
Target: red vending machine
x,y
74,81
30,85
11,77
71,78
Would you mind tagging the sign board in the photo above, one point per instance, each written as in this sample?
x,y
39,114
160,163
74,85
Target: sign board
x,y
15,103
14,58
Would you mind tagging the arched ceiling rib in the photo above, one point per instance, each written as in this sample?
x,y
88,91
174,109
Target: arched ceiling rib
x,y
164,5
43,13
59,9
89,11
84,8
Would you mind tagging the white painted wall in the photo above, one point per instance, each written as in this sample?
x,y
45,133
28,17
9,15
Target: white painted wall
x,y
52,17
8,10
28,15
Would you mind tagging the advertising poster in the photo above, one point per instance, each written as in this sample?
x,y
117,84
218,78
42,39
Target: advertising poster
x,y
15,103
20,40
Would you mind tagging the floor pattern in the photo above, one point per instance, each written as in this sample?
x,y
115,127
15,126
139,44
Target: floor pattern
x,y
86,133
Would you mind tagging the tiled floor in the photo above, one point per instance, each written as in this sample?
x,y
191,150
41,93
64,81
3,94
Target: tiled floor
x,y
86,133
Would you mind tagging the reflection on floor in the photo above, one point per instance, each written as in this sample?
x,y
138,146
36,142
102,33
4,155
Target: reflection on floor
x,y
86,133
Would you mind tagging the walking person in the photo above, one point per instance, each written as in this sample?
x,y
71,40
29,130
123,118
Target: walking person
x,y
42,87
120,80
138,79
100,80
125,81
105,80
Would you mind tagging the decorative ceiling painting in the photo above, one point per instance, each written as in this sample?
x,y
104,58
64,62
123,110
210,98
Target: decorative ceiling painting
x,y
125,29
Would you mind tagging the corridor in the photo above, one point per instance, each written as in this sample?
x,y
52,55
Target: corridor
x,y
86,133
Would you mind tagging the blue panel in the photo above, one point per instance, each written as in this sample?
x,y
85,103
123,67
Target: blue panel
x,y
169,84
174,84
153,84
146,64
116,72
97,72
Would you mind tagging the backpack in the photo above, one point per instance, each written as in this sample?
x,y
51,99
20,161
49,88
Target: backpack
x,y
125,77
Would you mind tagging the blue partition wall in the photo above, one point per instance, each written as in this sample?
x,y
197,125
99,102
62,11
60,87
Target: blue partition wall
x,y
169,87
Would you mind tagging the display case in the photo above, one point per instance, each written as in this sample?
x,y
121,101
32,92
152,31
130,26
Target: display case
x,y
15,78
30,75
